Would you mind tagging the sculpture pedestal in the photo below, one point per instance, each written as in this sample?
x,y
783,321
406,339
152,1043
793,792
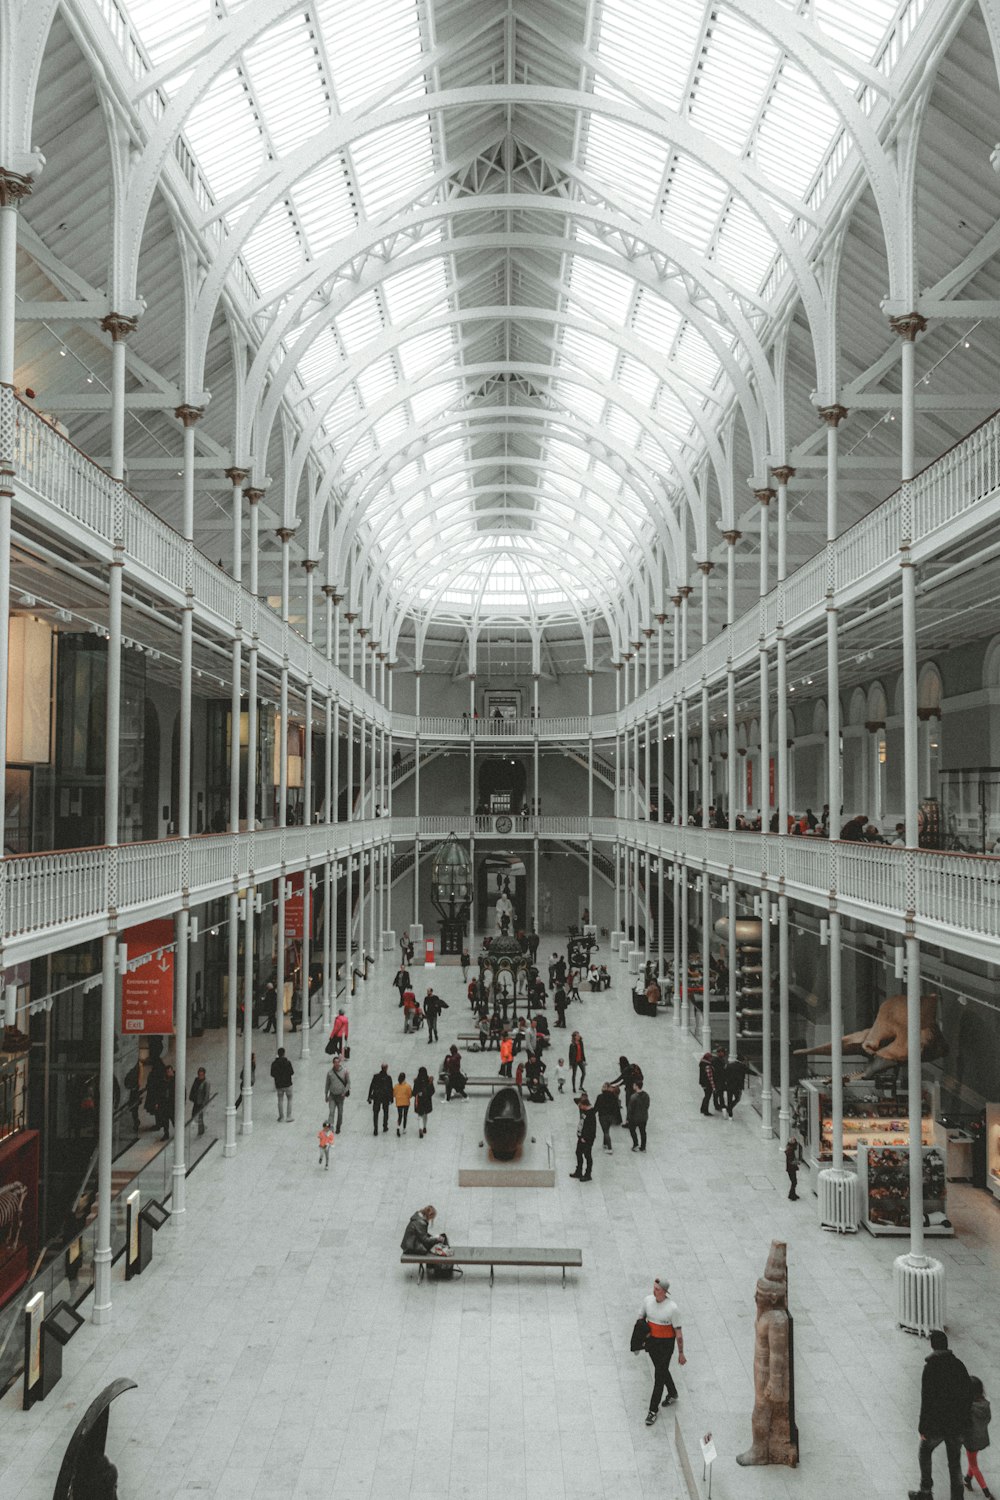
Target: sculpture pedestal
x,y
838,1200
920,1293
533,1166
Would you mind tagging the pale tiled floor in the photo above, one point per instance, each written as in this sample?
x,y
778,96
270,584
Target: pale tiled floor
x,y
281,1350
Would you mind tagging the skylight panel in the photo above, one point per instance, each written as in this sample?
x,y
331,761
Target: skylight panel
x,y
860,25
360,323
734,74
420,287
694,202
638,380
579,400
695,358
393,163
623,425
595,356
656,320
425,351
628,159
325,205
321,359
285,74
427,404
651,45
568,454
224,135
345,411
273,250
795,133
166,29
594,287
744,250
390,427
369,43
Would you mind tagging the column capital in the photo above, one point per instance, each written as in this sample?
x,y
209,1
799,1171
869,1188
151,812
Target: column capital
x,y
617,665
391,666
418,671
349,617
647,631
253,496
661,619
119,325
874,725
285,534
685,591
14,186
636,646
330,590
765,495
310,564
627,656
705,567
908,326
832,415
236,476
675,600
731,537
783,473
382,655
923,714
188,416
362,629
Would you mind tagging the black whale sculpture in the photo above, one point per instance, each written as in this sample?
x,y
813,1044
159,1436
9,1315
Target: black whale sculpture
x,y
506,1123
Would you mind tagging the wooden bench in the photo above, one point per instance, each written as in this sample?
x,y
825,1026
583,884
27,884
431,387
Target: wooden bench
x,y
497,1255
493,1081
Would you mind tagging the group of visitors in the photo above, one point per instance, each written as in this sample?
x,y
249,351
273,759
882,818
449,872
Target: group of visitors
x,y
953,1411
722,1080
606,1110
382,1093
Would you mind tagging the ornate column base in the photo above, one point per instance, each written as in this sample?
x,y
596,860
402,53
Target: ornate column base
x,y
838,1200
920,1293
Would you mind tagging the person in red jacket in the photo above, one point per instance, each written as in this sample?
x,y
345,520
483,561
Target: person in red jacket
x,y
577,1060
338,1035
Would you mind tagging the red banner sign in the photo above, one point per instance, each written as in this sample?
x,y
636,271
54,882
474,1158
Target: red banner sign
x,y
428,950
18,1210
295,908
148,989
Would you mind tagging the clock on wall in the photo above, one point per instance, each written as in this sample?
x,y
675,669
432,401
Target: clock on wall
x,y
504,824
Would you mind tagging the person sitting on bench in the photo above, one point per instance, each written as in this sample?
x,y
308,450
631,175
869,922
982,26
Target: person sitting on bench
x,y
420,1239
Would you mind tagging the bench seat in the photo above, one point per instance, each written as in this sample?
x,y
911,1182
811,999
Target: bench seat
x,y
498,1255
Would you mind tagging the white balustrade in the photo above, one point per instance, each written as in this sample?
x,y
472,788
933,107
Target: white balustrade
x,y
148,873
50,890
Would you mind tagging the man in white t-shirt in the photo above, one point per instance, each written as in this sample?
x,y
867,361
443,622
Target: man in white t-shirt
x,y
663,1321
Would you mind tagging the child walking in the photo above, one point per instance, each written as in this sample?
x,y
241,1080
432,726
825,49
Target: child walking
x,y
402,1093
561,1074
977,1435
326,1140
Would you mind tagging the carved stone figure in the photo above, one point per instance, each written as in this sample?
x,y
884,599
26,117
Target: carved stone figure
x,y
885,1040
775,1437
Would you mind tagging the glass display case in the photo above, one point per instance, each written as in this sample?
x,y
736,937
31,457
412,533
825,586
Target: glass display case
x,y
884,1176
871,1118
993,1149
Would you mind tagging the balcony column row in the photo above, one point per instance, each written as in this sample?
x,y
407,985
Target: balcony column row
x,y
237,478
254,496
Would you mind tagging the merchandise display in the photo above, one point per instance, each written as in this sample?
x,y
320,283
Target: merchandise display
x,y
870,1119
884,1175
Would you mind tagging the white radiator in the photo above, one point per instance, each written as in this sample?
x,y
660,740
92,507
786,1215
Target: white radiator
x,y
838,1200
920,1293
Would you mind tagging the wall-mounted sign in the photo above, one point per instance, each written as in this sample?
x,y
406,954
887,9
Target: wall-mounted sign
x,y
148,987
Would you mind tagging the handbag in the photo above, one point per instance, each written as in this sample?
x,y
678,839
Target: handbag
x,y
640,1333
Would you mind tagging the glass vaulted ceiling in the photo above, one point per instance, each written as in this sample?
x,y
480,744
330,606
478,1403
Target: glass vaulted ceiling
x,y
505,374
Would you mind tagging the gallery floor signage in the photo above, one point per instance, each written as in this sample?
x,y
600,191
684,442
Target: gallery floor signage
x,y
148,982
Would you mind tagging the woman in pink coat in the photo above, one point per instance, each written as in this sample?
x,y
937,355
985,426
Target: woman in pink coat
x,y
338,1035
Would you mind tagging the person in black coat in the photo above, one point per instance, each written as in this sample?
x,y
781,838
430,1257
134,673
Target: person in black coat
x,y
945,1401
402,981
560,1001
380,1097
586,1134
706,1079
608,1112
736,1077
433,1006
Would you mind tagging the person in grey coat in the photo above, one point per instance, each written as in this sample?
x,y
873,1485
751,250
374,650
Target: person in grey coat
x,y
338,1086
636,1115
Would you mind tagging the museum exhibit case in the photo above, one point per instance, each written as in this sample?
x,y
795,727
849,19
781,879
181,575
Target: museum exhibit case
x,y
871,1118
884,1177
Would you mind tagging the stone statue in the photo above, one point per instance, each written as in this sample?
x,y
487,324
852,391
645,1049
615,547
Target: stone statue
x,y
775,1438
885,1040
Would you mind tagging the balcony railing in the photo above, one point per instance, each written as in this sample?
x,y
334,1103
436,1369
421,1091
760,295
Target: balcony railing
x,y
52,900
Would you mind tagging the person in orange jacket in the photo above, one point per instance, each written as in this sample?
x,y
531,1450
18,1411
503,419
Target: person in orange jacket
x,y
506,1055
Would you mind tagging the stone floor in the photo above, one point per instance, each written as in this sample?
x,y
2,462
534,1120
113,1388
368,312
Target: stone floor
x,y
281,1350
